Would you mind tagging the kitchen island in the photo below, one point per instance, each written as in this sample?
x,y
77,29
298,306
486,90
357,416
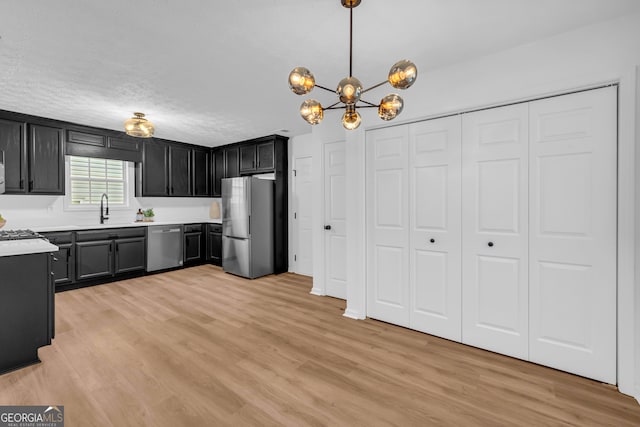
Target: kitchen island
x,y
26,301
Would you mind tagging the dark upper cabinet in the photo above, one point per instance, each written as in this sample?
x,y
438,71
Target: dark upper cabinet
x,y
257,158
179,170
46,160
247,158
90,142
14,147
155,167
217,162
200,172
231,162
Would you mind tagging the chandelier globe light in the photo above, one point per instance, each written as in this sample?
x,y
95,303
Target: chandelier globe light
x,y
139,127
402,75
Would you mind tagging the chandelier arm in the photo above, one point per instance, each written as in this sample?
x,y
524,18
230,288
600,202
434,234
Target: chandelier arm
x,y
367,106
330,107
334,108
326,88
370,103
374,86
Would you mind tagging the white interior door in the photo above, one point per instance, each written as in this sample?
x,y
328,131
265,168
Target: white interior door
x,y
495,224
435,245
303,215
573,233
335,220
388,225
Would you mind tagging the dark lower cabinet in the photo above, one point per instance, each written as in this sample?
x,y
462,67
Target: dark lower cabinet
x,y
194,247
130,254
94,259
63,260
109,252
26,309
214,240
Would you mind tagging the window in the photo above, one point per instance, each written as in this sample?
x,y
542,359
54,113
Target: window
x,y
89,177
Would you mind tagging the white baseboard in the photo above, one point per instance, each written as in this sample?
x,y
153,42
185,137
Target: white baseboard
x,y
317,291
353,314
637,396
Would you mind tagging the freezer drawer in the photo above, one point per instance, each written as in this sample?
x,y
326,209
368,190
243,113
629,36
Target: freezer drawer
x,y
235,256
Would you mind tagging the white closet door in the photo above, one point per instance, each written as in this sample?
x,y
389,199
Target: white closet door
x,y
435,245
494,230
573,233
388,225
335,219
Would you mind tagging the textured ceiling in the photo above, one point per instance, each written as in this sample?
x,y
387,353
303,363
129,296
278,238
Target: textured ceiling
x,y
215,72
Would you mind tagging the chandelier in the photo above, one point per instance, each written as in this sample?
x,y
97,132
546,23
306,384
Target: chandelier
x,y
401,76
138,126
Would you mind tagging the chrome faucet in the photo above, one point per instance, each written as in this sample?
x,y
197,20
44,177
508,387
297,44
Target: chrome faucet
x,y
104,214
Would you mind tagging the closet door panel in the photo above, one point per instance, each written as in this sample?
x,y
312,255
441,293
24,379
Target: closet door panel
x,y
388,225
435,262
495,230
573,233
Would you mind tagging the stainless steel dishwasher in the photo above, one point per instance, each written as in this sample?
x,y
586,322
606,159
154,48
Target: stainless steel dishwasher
x,y
164,247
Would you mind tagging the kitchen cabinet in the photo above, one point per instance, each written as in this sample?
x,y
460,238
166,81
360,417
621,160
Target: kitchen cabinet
x,y
26,309
200,172
214,240
194,244
34,165
217,166
257,157
110,252
14,147
179,170
90,142
46,160
153,172
63,261
231,162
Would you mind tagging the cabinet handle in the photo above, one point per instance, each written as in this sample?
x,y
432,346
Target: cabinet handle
x,y
432,240
55,259
490,244
30,184
171,190
21,184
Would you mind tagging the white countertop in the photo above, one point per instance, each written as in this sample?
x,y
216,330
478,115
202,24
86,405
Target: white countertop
x,y
27,246
74,227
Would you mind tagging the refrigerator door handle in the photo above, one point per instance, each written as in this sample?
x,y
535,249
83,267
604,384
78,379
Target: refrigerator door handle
x,y
249,228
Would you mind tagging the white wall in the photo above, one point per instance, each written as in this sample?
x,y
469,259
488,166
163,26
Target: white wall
x,y
298,146
602,53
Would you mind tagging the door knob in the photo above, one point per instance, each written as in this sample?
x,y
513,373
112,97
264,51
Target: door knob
x,y
490,244
432,240
327,227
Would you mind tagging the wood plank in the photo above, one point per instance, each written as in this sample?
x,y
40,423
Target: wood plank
x,y
201,347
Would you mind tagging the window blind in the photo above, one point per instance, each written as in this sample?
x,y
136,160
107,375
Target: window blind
x,y
90,177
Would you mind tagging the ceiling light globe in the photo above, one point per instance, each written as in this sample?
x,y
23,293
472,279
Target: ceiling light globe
x,y
311,111
403,74
139,127
390,106
301,81
349,90
351,119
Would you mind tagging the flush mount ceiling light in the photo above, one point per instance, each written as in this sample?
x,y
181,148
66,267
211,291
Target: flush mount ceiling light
x,y
139,127
401,76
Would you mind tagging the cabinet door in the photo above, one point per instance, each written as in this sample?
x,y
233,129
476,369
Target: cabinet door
x,y
434,205
155,164
94,259
215,248
495,292
62,265
14,146
231,164
388,225
200,163
218,172
265,156
46,160
247,158
130,254
572,257
193,247
179,171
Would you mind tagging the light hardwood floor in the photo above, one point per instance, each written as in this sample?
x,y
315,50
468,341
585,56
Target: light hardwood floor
x,y
198,347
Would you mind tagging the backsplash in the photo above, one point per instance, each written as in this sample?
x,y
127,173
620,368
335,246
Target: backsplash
x,y
37,211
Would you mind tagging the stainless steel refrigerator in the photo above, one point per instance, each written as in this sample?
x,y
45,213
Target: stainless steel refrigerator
x,y
247,226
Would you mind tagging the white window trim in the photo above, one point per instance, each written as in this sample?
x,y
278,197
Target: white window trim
x,y
128,193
